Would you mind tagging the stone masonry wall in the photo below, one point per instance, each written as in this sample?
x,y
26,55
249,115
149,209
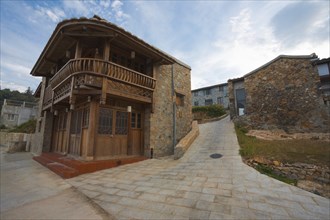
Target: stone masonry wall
x,y
161,120
182,85
285,95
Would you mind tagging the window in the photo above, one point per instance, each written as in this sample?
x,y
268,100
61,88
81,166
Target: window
x,y
220,100
220,88
76,121
207,92
208,102
196,93
133,120
11,117
139,120
179,99
240,101
86,117
136,120
121,123
196,103
105,121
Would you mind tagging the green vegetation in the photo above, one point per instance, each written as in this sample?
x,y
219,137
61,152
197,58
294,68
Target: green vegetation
x,y
210,111
288,151
27,96
27,127
269,172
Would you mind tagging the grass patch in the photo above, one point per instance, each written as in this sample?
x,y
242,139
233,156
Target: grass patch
x,y
290,151
269,172
27,127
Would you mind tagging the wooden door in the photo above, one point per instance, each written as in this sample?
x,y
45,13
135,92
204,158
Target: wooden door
x,y
75,132
112,133
59,133
136,133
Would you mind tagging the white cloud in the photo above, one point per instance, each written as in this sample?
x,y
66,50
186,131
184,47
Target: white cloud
x,y
54,14
14,67
12,86
76,7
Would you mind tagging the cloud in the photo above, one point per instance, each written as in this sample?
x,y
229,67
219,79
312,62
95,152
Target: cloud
x,y
54,14
120,15
12,86
77,7
302,21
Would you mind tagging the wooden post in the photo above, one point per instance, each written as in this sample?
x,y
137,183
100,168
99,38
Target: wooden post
x,y
78,50
129,135
104,91
106,53
92,129
67,132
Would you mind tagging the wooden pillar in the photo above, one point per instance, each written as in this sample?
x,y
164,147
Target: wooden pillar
x,y
106,52
72,98
129,135
67,132
104,91
92,130
78,50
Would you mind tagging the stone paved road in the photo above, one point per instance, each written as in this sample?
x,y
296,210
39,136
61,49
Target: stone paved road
x,y
199,187
30,191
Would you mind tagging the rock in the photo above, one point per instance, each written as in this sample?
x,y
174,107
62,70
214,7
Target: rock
x,y
276,163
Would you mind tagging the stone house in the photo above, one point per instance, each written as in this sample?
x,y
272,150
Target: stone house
x,y
105,94
216,94
15,113
289,92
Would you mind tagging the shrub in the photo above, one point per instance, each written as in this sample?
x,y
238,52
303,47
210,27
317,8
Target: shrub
x,y
27,127
211,111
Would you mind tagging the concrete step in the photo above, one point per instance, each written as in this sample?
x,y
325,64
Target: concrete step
x,y
68,167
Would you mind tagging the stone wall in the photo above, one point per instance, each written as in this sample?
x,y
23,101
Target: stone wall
x,y
284,95
185,142
16,142
161,119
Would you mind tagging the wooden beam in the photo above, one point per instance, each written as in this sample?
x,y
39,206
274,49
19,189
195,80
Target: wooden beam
x,y
106,54
92,129
104,91
87,34
78,50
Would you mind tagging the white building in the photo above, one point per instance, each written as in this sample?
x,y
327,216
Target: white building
x,y
15,113
216,94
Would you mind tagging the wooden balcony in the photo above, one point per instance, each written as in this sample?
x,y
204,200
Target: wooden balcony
x,y
98,75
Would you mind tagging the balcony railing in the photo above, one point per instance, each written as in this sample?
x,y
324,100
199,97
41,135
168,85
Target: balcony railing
x,y
112,70
90,72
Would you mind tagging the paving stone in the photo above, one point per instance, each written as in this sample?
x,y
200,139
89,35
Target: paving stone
x,y
126,193
214,207
274,209
152,197
90,194
198,187
181,201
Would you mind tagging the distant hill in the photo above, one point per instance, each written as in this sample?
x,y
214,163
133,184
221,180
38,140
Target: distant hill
x,y
26,96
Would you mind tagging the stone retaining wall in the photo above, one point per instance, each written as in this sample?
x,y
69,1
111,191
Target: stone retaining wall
x,y
16,142
185,142
297,171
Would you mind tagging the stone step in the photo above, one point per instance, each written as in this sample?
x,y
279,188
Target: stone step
x,y
68,167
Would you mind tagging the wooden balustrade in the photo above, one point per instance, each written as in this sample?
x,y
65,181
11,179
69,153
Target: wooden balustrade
x,y
48,97
90,72
107,68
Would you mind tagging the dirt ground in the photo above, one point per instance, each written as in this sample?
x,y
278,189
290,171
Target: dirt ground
x,y
282,135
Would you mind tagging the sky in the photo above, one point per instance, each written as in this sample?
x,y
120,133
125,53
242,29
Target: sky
x,y
219,40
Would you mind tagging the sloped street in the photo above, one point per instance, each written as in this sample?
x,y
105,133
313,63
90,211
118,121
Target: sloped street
x,y
198,186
